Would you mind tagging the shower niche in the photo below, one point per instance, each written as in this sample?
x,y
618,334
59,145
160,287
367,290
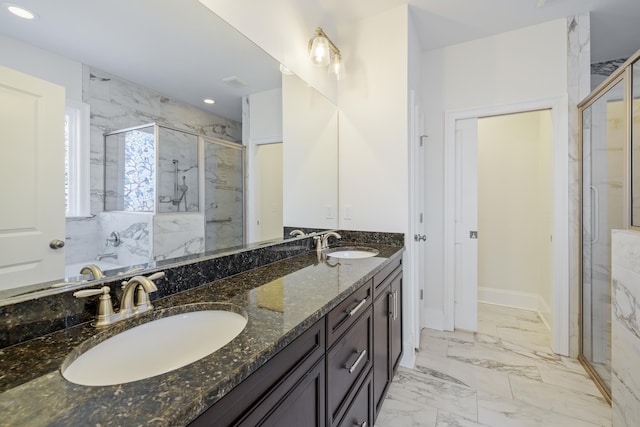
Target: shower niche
x,y
171,193
152,168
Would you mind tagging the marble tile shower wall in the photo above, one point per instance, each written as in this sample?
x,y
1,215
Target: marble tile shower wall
x,y
178,172
135,231
625,334
117,104
578,87
178,234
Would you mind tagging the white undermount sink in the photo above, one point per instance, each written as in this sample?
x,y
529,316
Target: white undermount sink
x,y
352,252
155,347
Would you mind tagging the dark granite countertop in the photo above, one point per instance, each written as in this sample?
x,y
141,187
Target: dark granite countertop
x,y
281,300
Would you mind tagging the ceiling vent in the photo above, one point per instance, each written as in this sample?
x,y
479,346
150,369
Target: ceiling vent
x,y
235,81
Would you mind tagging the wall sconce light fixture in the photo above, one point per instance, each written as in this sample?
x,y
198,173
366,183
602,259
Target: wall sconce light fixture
x,y
323,52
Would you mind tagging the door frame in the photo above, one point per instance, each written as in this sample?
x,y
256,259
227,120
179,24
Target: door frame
x,y
560,246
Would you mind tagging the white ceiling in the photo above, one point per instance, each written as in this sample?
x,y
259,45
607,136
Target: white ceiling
x,y
180,49
183,51
615,24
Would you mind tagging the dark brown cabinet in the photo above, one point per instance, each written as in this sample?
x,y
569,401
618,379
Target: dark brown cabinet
x,y
256,397
387,339
335,374
360,412
348,363
302,405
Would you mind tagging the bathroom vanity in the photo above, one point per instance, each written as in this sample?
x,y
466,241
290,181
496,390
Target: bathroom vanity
x,y
322,342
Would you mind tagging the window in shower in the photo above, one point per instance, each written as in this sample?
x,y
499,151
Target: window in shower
x,y
139,167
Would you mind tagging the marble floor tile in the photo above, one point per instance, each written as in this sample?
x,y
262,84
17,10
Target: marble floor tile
x,y
568,379
514,413
504,375
446,419
422,389
399,412
549,397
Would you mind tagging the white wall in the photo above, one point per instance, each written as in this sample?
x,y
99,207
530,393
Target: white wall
x,y
514,210
373,124
310,154
43,64
262,124
283,29
525,65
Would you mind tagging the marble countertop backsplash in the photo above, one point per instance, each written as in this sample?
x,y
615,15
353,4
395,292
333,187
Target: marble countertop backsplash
x,y
33,391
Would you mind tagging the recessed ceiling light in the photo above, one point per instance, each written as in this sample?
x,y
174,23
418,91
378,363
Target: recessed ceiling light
x,y
209,101
21,11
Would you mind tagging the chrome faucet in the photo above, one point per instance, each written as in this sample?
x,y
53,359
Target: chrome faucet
x,y
296,233
106,316
94,270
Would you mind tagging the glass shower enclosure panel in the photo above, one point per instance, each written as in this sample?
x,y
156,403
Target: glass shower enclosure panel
x,y
224,194
603,169
178,178
151,168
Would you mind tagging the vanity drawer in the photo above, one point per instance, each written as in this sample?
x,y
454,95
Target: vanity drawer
x,y
360,411
347,363
342,317
383,278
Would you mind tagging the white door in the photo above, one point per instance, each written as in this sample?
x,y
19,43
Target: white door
x,y
31,179
466,225
269,193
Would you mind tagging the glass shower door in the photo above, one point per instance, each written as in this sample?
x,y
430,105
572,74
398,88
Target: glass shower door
x,y
224,194
603,168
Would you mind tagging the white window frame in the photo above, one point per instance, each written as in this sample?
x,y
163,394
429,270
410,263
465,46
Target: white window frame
x,y
79,203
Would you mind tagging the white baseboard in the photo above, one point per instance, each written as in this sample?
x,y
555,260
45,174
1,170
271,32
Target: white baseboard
x,y
517,299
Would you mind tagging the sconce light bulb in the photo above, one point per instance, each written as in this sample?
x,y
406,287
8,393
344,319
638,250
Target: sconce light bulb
x,y
320,52
337,67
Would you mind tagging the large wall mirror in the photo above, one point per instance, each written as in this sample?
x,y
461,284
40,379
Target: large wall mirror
x,y
153,173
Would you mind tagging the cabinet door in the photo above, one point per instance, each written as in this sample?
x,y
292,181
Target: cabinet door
x,y
381,344
395,326
304,405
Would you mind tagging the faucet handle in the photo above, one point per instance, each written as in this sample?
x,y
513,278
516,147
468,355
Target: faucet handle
x,y
105,313
90,292
158,275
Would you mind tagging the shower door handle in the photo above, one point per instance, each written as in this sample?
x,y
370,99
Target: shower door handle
x,y
595,216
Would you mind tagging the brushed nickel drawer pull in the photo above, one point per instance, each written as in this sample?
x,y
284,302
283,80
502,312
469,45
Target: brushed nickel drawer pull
x,y
357,307
395,305
353,367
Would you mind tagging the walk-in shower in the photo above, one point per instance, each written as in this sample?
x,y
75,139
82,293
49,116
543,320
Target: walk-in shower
x,y
173,192
152,168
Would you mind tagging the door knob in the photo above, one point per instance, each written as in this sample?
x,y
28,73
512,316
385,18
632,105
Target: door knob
x,y
56,244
